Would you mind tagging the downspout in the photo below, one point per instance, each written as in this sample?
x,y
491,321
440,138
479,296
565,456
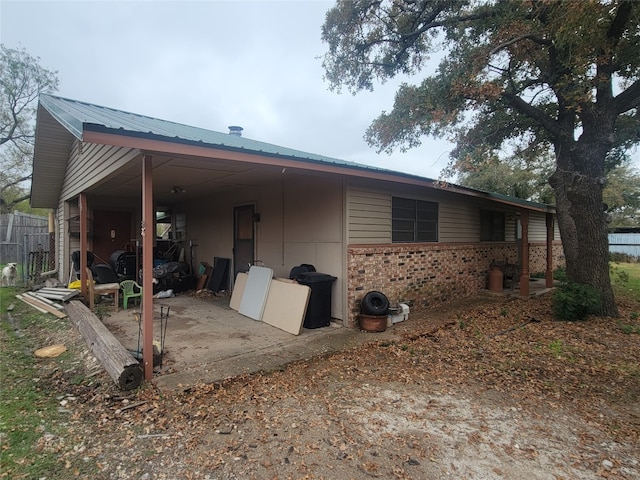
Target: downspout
x,y
52,246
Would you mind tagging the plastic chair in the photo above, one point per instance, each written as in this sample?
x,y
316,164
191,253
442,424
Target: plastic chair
x,y
130,289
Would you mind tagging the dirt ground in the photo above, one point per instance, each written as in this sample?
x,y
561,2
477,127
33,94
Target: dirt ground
x,y
494,389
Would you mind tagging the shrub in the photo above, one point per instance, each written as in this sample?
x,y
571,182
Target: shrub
x,y
619,257
574,301
560,274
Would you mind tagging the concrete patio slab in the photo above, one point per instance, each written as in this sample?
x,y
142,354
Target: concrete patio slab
x,y
206,341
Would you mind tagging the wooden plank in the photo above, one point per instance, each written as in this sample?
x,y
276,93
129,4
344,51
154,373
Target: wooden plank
x,y
238,290
24,300
255,293
44,300
125,370
286,306
41,305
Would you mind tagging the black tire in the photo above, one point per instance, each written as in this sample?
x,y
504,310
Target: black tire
x,y
374,303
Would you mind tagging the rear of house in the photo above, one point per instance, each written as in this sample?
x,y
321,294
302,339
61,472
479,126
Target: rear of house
x,y
217,195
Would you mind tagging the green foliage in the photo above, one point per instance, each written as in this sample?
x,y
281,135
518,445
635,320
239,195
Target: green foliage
x,y
22,79
619,257
630,329
560,274
574,302
518,81
27,408
503,69
622,196
626,278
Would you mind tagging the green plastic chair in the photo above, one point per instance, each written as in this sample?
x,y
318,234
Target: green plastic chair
x,y
130,289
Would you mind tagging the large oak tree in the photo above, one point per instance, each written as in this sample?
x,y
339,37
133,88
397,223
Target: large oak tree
x,y
525,76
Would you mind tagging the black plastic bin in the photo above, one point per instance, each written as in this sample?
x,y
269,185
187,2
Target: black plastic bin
x,y
319,308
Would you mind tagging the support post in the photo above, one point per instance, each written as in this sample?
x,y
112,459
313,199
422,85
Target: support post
x,y
147,233
83,212
524,268
549,271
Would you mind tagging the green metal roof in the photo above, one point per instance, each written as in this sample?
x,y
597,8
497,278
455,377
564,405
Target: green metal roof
x,y
79,117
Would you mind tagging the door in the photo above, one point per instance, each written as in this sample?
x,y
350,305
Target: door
x,y
111,232
243,238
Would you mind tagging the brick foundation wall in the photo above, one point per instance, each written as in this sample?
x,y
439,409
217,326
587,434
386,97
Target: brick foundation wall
x,y
538,256
427,274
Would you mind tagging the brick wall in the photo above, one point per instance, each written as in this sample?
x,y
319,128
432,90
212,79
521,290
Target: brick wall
x,y
427,274
538,256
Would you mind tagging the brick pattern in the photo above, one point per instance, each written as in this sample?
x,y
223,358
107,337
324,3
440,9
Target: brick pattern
x,y
428,274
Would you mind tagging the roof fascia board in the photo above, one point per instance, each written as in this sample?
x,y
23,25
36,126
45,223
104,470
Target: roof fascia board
x,y
146,144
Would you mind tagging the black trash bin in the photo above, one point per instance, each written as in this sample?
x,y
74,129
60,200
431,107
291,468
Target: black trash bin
x,y
319,307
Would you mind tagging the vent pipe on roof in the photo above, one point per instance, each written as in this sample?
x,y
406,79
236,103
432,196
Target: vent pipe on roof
x,y
235,130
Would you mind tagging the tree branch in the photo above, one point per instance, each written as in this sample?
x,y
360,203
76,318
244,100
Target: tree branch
x,y
528,36
619,22
628,99
547,122
17,181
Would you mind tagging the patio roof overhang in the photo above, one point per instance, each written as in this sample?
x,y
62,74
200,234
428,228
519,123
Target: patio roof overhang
x,y
204,169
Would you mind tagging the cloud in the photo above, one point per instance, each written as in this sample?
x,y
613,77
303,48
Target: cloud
x,y
212,64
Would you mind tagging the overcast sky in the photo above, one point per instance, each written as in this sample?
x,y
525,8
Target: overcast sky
x,y
211,64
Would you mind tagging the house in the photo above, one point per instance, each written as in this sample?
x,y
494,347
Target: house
x,y
118,181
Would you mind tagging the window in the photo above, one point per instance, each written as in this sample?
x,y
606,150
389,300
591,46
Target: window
x,y
491,226
413,220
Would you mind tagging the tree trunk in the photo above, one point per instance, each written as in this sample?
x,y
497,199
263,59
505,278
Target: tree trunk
x,y
578,183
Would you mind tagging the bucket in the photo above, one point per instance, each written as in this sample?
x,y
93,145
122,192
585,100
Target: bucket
x,y
373,323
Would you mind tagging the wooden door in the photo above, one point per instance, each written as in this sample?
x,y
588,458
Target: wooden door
x,y
111,232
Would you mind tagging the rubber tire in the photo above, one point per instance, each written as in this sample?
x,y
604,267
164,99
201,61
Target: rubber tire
x,y
374,303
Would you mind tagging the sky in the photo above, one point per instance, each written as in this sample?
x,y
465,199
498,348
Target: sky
x,y
212,64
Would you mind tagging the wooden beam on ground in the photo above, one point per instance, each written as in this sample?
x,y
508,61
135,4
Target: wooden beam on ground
x,y
116,360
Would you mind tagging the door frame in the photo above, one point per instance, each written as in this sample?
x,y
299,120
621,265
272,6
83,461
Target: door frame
x,y
244,237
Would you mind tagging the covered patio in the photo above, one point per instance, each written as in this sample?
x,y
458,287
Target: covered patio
x,y
207,341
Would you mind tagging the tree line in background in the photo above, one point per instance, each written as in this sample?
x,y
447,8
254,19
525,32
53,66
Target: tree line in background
x,y
550,86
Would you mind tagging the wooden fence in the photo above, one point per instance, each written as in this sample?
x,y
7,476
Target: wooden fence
x,y
25,240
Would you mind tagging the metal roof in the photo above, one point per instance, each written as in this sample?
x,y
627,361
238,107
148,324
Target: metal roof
x,y
79,118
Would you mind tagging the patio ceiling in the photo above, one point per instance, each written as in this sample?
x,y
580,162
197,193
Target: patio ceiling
x,y
178,179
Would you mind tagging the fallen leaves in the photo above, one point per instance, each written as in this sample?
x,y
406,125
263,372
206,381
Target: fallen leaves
x,y
457,387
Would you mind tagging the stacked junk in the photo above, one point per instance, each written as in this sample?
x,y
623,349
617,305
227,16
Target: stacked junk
x,y
376,313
